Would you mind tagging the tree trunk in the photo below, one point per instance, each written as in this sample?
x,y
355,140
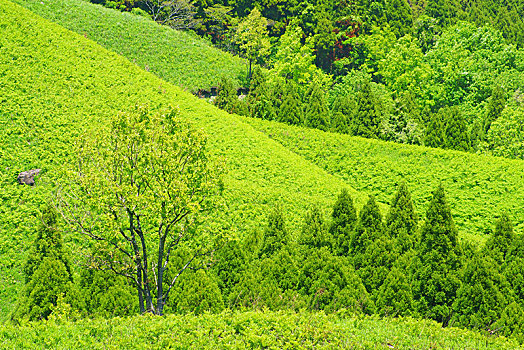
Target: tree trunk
x,y
140,293
160,277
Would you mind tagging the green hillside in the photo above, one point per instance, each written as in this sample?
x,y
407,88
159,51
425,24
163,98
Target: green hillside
x,y
175,56
55,84
479,188
249,330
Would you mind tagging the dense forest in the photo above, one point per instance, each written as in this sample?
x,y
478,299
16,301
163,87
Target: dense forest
x,y
152,202
438,73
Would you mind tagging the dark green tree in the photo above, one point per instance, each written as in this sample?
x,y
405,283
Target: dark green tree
x,y
456,130
511,321
436,269
315,233
197,292
371,247
329,283
275,235
401,221
395,296
344,218
324,42
47,271
317,112
227,96
445,11
259,99
494,108
231,262
367,119
483,295
435,131
342,110
400,17
290,111
369,228
106,295
500,242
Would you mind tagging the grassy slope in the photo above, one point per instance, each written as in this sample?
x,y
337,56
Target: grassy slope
x,y
176,56
248,330
479,188
55,84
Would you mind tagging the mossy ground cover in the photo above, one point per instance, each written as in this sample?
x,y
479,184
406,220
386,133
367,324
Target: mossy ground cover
x,y
246,330
479,188
55,85
180,57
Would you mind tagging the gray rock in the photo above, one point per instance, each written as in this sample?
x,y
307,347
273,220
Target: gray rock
x,y
28,177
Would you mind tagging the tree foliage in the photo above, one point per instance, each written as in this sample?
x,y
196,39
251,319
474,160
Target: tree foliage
x,y
140,190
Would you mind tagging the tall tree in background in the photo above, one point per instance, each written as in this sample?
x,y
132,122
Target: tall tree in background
x,y
367,118
324,42
456,130
494,108
140,190
436,276
435,130
252,37
259,98
400,17
291,108
317,112
227,96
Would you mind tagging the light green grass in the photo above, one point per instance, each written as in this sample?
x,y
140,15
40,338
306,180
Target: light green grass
x,y
55,84
180,57
248,330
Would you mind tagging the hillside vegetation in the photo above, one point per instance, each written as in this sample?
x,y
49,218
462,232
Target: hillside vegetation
x,y
249,330
55,85
176,56
480,188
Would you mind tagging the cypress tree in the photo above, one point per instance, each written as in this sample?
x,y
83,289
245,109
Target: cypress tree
x,y
401,221
395,296
344,219
324,42
435,131
371,247
436,270
494,108
275,235
230,265
259,98
47,271
291,109
400,17
368,229
317,112
482,296
226,96
367,119
498,245
342,111
314,233
457,136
